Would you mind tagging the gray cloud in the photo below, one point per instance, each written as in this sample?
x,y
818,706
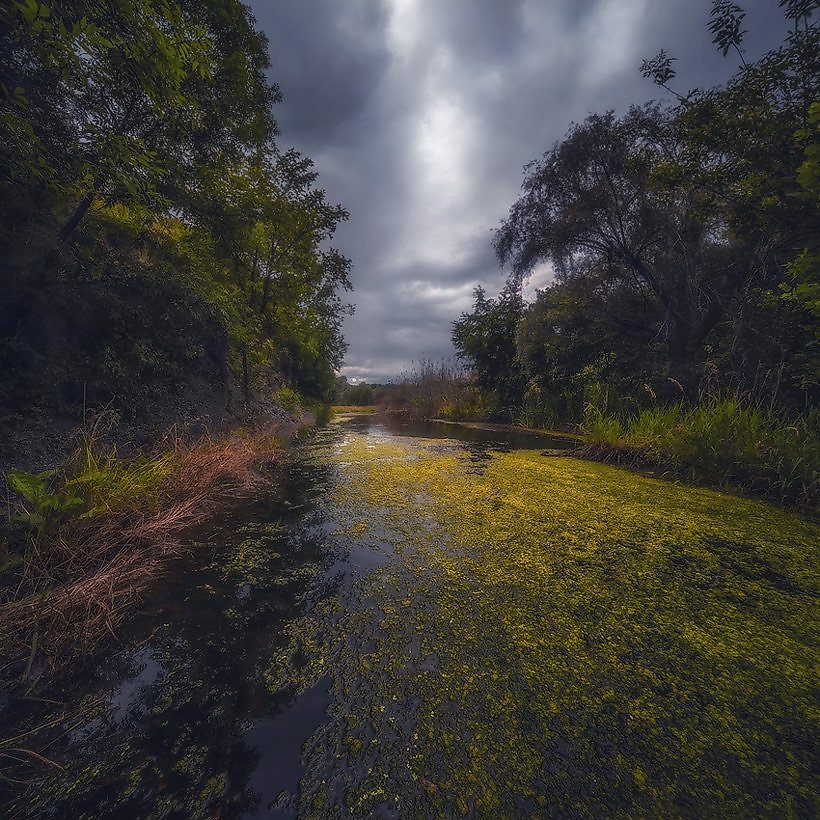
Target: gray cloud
x,y
420,115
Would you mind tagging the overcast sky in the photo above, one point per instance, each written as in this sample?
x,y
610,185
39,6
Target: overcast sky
x,y
420,115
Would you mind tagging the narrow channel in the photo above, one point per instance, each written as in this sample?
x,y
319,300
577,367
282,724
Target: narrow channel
x,y
439,621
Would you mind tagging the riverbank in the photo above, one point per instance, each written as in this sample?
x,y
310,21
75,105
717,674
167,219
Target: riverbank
x,y
721,444
434,626
82,542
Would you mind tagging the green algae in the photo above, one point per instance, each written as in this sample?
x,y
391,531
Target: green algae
x,y
562,637
538,637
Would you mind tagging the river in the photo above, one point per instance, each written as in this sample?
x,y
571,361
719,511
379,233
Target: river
x,y
440,621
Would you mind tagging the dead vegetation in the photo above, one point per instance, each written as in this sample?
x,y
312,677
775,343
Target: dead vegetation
x,y
68,579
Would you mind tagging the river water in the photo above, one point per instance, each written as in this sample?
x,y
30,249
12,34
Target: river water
x,y
412,626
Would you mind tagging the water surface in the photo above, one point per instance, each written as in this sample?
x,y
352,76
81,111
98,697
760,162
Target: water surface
x,y
438,621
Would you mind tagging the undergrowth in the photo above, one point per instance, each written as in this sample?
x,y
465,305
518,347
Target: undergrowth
x,y
80,543
723,442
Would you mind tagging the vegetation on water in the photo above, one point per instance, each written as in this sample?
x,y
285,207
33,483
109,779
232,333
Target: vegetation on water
x,y
353,408
558,637
515,636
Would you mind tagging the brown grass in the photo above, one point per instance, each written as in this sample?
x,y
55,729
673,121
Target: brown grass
x,y
77,588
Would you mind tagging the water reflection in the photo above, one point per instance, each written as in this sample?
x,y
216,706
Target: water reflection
x,y
487,438
195,713
179,719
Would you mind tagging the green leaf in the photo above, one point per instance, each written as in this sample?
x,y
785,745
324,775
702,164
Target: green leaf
x,y
30,485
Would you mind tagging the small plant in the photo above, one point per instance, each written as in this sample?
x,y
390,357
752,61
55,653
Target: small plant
x,y
599,428
43,506
323,413
288,398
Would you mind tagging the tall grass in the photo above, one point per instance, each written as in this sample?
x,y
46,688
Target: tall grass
x,y
723,442
436,389
81,543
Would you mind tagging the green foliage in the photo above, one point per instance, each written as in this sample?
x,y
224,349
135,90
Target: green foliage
x,y
158,247
485,340
107,483
684,241
288,398
323,413
44,506
599,427
91,484
723,441
804,270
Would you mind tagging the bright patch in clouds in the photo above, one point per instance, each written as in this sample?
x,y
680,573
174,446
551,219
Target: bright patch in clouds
x,y
420,115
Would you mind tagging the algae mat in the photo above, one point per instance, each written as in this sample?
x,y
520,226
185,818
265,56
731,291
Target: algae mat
x,y
422,628
553,637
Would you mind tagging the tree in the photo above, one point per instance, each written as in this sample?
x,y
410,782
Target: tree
x,y
142,186
751,146
121,102
485,338
595,208
583,342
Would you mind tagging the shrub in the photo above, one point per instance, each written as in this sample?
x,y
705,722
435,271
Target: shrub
x,y
288,398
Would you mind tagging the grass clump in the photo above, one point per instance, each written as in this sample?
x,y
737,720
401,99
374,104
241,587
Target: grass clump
x,y
723,442
82,542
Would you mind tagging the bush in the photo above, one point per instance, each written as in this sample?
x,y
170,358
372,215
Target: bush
x,y
288,398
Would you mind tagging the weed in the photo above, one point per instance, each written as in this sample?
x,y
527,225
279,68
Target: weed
x,y
723,442
288,398
84,541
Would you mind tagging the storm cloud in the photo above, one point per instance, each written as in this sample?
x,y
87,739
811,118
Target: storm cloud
x,y
420,115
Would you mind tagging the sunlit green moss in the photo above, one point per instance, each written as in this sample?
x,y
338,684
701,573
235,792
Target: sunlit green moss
x,y
564,637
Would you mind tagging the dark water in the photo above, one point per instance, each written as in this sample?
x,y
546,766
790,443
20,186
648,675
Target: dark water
x,y
188,714
475,439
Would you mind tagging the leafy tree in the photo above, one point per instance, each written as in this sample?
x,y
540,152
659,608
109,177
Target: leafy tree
x,y
750,146
594,207
701,212
142,187
485,338
582,342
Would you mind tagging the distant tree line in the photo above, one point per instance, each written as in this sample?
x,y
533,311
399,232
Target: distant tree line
x,y
684,242
360,394
157,245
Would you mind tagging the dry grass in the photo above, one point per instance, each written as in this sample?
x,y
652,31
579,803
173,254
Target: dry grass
x,y
75,587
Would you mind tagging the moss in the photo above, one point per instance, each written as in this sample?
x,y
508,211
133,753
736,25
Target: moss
x,y
564,637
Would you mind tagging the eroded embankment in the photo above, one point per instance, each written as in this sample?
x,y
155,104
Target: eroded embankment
x,y
559,637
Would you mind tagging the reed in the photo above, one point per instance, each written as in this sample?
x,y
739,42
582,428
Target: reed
x,y
723,442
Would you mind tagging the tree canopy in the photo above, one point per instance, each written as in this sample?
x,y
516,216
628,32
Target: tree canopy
x,y
683,237
156,240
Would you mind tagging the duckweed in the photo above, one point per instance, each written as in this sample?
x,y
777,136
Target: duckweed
x,y
562,637
501,635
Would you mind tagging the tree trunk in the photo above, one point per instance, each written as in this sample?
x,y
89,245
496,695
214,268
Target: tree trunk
x,y
246,382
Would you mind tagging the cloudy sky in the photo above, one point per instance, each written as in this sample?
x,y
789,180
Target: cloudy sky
x,y
420,115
